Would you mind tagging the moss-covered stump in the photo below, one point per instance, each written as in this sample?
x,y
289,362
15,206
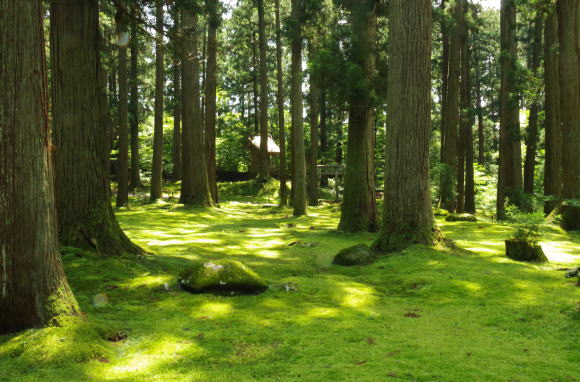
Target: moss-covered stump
x,y
221,277
524,251
440,212
359,254
461,218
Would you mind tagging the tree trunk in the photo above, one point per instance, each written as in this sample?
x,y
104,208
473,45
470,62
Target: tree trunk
x,y
532,133
359,210
81,134
467,117
553,133
444,71
280,106
255,85
33,286
210,97
195,185
177,96
408,215
323,135
263,157
135,179
121,20
450,115
314,99
299,186
464,120
157,164
479,109
568,29
510,172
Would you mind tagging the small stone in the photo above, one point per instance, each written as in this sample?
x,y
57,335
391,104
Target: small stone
x,y
100,300
359,254
524,251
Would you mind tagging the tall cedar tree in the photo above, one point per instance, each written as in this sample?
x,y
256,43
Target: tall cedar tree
x,y
296,100
210,95
467,118
122,24
359,209
568,30
553,133
176,153
280,107
464,101
450,113
195,185
33,286
81,135
157,165
135,176
408,215
532,134
323,133
510,167
263,158
314,98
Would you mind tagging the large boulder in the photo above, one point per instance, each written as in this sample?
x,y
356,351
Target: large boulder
x,y
222,277
523,251
461,218
359,254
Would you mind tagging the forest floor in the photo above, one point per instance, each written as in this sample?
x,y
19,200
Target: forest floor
x,y
422,314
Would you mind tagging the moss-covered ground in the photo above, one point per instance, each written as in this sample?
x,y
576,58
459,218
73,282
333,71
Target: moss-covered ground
x,y
418,315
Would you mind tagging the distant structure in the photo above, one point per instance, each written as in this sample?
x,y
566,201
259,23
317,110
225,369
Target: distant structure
x,y
273,154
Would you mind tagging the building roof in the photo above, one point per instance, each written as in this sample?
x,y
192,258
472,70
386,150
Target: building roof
x,y
273,148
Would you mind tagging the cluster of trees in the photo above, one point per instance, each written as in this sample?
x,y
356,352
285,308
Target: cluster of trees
x,y
373,69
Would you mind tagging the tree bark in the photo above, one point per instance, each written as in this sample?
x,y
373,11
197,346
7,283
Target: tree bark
x,y
263,157
568,30
81,132
210,97
479,110
299,186
255,70
532,133
408,215
121,20
157,164
280,106
553,133
464,108
359,210
510,172
135,176
467,117
314,99
33,286
195,185
323,134
177,97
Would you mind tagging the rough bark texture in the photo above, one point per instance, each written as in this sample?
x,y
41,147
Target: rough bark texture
x,y
33,286
408,217
135,176
122,23
210,97
299,186
359,210
510,170
569,29
157,165
177,97
263,159
255,76
81,132
464,106
532,133
468,119
479,110
195,185
553,133
450,115
314,152
323,134
280,106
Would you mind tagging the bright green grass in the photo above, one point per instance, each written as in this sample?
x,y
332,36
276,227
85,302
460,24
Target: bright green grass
x,y
419,315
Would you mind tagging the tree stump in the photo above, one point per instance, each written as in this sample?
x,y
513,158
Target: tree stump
x,y
524,251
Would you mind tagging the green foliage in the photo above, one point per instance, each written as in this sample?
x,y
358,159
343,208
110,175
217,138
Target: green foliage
x,y
527,226
231,151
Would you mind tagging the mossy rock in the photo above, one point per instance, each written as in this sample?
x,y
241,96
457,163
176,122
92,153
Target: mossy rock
x,y
524,251
461,218
440,212
222,277
359,254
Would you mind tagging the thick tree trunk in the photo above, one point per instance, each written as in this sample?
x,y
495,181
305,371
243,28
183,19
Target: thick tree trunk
x,y
299,186
255,70
263,157
33,286
467,118
323,134
210,97
479,110
81,133
450,115
157,164
122,21
444,72
280,106
195,185
176,153
135,178
359,210
532,133
464,107
314,151
408,216
569,30
553,133
510,171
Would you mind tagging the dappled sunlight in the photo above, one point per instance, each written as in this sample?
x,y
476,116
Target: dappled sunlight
x,y
213,309
355,295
